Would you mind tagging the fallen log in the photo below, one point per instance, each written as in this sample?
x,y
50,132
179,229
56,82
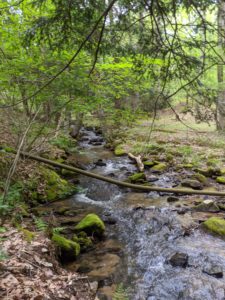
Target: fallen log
x,y
114,181
138,161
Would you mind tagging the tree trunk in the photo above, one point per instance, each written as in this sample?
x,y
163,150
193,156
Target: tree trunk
x,y
221,90
75,128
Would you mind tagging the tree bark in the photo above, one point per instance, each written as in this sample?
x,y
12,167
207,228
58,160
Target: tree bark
x,y
220,118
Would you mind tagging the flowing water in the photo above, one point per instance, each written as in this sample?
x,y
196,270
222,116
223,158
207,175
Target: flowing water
x,y
151,231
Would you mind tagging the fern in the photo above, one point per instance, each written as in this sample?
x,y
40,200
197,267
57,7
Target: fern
x,y
58,229
40,224
120,293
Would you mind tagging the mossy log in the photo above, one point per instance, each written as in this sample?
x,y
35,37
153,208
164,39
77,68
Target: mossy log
x,y
117,182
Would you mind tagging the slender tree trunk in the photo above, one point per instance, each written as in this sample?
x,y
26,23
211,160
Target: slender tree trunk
x,y
221,89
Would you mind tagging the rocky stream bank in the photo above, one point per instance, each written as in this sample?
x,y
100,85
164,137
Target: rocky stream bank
x,y
157,245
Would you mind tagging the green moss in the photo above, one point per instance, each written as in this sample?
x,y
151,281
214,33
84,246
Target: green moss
x,y
29,236
159,168
137,177
66,246
84,242
56,187
215,225
91,224
220,179
188,166
210,172
200,177
119,151
149,163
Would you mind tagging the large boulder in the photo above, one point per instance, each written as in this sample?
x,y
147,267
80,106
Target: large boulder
x,y
68,249
91,224
215,225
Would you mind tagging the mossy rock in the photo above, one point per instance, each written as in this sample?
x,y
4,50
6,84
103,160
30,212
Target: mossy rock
x,y
200,177
220,179
55,187
137,177
149,163
91,224
161,167
207,206
119,151
85,242
194,184
169,157
215,225
67,173
69,249
209,172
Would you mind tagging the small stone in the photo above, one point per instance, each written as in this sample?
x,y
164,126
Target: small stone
x,y
213,270
172,199
179,260
94,286
153,179
100,163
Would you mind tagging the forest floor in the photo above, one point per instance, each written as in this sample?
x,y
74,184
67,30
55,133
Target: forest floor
x,y
30,270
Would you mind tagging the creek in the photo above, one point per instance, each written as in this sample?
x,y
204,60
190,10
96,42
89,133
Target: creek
x,y
155,248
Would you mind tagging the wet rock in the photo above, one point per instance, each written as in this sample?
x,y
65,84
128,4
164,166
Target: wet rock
x,y
153,179
74,181
111,174
123,169
100,163
213,270
91,224
172,199
208,206
194,184
96,144
215,225
109,220
179,260
96,140
84,139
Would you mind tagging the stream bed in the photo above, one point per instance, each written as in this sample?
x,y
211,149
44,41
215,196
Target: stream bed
x,y
153,247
